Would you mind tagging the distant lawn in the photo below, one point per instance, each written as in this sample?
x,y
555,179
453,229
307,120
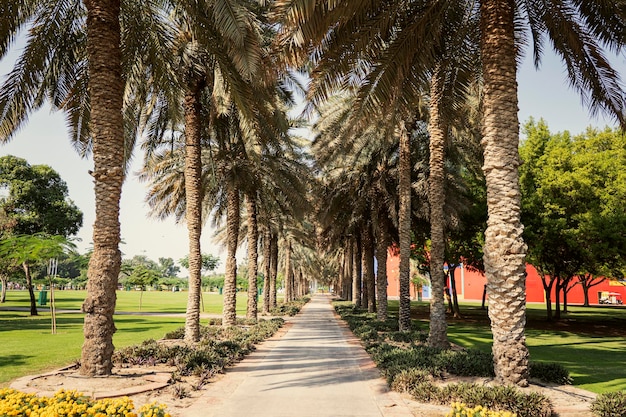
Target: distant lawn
x,y
589,341
128,301
28,347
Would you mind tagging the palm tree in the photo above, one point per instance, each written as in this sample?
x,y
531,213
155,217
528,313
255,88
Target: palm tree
x,y
574,30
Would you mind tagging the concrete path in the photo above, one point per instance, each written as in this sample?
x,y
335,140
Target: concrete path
x,y
317,368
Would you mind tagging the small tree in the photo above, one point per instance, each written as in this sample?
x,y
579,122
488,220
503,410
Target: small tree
x,y
26,250
143,277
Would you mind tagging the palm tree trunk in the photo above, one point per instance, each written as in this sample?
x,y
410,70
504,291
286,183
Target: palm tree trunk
x,y
253,237
404,191
193,213
106,89
230,279
267,268
356,271
382,244
348,271
437,336
288,285
504,249
3,281
368,269
274,270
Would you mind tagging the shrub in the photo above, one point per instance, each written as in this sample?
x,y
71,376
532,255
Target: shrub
x,y
470,362
366,333
218,348
610,404
550,372
409,379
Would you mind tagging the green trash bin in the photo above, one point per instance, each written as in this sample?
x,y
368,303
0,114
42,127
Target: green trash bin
x,y
220,290
43,297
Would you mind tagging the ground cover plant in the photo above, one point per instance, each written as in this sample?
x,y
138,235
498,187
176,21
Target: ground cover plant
x,y
593,333
411,366
195,364
72,403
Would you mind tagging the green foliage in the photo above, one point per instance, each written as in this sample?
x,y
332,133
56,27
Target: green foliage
x,y
411,366
550,372
610,404
209,262
218,348
290,308
573,190
502,398
19,249
37,199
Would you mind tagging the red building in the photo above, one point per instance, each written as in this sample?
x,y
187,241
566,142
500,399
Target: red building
x,y
470,286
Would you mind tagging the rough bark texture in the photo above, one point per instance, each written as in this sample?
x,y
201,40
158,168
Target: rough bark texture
x,y
368,269
253,237
274,270
229,315
347,272
3,281
356,272
193,214
504,249
106,89
267,268
437,336
404,191
288,272
382,245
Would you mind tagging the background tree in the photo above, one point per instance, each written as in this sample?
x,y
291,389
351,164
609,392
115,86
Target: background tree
x,y
572,188
36,203
26,250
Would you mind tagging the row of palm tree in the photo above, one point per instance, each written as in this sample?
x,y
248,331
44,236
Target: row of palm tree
x,y
203,82
398,54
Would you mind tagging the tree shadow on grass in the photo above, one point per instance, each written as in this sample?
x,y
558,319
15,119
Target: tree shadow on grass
x,y
13,360
36,323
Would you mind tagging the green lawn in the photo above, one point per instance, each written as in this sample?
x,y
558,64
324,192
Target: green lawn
x,y
589,341
28,347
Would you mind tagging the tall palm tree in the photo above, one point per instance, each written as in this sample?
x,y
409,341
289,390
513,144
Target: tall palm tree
x,y
253,238
574,29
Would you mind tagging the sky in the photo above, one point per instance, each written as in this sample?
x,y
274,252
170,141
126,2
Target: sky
x,y
44,140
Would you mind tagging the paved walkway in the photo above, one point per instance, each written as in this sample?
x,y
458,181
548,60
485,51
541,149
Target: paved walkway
x,y
318,368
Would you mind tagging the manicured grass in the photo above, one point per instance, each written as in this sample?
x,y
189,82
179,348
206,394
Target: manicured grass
x,y
589,341
28,347
129,301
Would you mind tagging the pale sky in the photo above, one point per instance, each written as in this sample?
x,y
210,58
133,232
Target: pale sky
x,y
543,94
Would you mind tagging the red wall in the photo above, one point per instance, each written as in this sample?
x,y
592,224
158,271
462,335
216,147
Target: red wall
x,y
470,285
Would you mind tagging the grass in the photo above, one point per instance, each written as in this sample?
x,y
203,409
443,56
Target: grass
x,y
28,347
589,341
128,301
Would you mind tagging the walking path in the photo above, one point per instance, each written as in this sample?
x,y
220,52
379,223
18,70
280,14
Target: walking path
x,y
318,368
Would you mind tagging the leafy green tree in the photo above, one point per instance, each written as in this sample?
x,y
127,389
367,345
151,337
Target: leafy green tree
x,y
209,262
26,250
36,203
168,268
573,188
143,277
37,199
